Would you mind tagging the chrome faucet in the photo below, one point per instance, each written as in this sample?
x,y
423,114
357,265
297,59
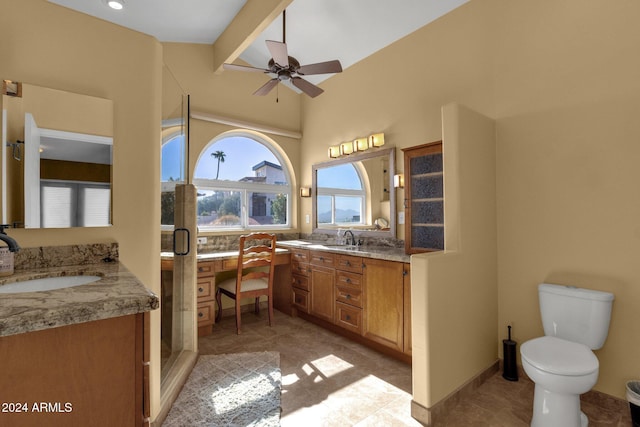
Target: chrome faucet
x,y
13,245
353,238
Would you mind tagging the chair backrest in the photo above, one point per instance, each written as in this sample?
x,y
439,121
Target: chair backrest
x,y
256,250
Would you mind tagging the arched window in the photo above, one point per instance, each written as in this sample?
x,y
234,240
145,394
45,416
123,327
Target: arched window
x,y
243,182
171,172
341,196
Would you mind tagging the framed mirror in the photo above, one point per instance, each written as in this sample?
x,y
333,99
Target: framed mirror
x,y
355,192
57,158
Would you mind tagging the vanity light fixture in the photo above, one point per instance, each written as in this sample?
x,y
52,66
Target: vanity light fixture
x,y
346,148
376,140
116,4
360,144
334,152
398,180
305,192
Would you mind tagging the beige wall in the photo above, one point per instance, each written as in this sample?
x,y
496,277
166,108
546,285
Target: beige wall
x,y
51,46
567,102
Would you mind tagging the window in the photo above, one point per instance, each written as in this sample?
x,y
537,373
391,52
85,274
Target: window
x,y
74,204
242,183
341,197
172,173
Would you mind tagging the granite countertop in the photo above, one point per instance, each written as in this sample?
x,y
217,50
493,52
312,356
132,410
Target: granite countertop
x,y
212,256
117,293
376,252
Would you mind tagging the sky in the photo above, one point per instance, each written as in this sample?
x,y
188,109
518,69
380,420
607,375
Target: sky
x,y
241,154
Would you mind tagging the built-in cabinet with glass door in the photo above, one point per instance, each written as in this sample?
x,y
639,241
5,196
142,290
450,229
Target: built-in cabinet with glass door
x,y
424,198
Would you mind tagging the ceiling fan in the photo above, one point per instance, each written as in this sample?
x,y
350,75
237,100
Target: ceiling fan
x,y
287,67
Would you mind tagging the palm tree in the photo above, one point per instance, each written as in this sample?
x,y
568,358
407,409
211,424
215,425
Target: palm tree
x,y
220,156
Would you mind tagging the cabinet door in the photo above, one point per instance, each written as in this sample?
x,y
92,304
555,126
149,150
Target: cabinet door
x,y
384,303
322,293
424,198
407,308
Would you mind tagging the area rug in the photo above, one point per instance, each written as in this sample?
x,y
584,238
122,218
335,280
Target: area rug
x,y
240,389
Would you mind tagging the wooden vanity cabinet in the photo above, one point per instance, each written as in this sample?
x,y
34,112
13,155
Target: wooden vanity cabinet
x,y
93,373
384,303
206,294
349,293
300,279
321,283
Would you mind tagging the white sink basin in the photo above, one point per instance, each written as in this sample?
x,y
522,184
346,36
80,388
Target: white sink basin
x,y
47,284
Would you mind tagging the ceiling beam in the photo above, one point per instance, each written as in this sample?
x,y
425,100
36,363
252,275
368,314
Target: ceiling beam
x,y
249,23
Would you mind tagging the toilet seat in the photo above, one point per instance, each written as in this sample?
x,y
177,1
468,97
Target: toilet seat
x,y
558,356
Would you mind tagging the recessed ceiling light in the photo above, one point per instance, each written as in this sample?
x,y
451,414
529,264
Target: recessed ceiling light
x,y
115,4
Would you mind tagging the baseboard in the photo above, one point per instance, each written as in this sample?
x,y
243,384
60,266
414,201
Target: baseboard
x,y
432,416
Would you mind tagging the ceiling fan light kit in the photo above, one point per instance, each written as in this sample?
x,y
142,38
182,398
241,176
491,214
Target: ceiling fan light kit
x,y
286,67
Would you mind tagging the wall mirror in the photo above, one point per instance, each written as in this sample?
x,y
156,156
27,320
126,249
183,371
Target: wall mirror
x,y
57,158
355,192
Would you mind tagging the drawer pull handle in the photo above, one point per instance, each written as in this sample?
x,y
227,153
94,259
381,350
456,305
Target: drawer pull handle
x,y
200,314
200,290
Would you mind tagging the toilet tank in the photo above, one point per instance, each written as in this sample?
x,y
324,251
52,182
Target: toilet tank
x,y
575,314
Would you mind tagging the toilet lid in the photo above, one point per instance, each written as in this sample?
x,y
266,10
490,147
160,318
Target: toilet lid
x,y
558,356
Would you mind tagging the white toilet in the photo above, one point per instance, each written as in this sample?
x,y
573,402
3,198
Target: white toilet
x,y
561,364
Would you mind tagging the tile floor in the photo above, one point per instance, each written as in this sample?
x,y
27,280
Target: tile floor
x,y
328,380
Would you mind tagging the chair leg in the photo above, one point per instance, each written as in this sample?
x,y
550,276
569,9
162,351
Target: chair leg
x,y
238,315
219,301
270,311
257,305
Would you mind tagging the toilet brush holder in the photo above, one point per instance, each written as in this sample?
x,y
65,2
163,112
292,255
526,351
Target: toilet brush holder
x,y
509,351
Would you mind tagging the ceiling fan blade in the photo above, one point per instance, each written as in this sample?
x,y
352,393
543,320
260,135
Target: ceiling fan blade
x,y
320,68
266,88
278,52
235,67
308,88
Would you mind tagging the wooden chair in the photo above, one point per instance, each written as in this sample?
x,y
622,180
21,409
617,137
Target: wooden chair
x,y
256,250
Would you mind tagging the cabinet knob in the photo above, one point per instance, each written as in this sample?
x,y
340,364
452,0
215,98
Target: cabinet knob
x,y
200,290
200,269
348,280
200,314
348,317
348,296
348,264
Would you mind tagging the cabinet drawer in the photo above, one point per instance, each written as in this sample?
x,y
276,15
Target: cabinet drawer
x,y
300,282
301,299
349,317
206,269
206,313
300,255
229,264
349,279
300,268
206,288
349,295
349,263
323,259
